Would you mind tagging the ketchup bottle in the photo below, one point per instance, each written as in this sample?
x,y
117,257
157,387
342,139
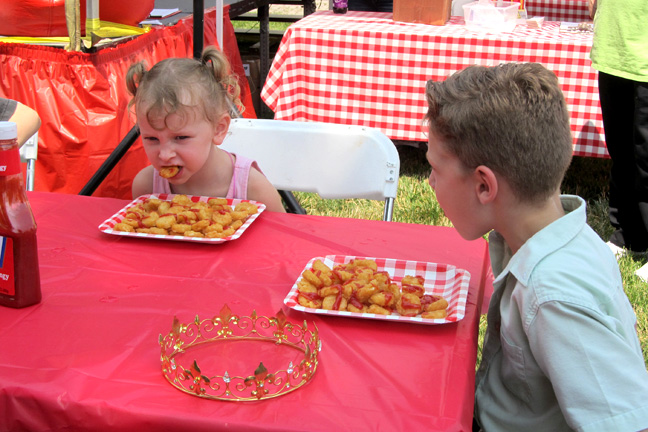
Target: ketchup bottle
x,y
19,272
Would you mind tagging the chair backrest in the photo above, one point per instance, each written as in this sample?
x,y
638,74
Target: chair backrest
x,y
335,161
29,154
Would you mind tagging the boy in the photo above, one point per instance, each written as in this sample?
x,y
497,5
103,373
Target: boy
x,y
561,351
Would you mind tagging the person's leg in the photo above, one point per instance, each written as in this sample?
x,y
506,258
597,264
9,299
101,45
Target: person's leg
x,y
640,141
617,97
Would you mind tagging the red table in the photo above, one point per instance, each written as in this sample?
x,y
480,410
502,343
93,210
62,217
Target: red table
x,y
87,357
559,10
363,68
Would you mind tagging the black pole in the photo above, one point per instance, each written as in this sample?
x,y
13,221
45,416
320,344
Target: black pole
x,y
198,27
110,162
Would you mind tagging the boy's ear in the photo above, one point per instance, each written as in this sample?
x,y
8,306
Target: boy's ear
x,y
486,186
220,129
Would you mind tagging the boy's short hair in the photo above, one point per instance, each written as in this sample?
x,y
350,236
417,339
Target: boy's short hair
x,y
511,118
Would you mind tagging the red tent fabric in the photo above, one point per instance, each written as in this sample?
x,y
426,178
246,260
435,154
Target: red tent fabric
x,y
42,18
82,101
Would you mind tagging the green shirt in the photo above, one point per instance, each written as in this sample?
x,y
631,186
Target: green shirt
x,y
620,46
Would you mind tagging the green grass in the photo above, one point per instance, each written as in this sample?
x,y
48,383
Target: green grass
x,y
587,177
253,26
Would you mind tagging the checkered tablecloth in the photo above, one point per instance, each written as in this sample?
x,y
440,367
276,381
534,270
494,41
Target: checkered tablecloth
x,y
363,68
558,10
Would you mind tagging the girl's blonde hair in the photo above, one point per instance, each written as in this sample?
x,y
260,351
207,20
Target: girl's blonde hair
x,y
175,84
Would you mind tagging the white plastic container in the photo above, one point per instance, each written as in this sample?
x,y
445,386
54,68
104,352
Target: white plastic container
x,y
484,15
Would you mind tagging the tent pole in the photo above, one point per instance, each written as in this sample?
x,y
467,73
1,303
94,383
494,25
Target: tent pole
x,y
198,27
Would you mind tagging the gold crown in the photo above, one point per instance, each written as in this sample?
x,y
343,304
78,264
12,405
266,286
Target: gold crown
x,y
226,327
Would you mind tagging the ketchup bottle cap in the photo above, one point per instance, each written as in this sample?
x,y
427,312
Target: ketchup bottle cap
x,y
8,130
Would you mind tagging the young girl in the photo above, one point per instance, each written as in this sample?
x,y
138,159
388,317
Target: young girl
x,y
182,108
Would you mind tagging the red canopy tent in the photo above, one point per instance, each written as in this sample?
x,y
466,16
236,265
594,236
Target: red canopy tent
x,y
45,18
82,100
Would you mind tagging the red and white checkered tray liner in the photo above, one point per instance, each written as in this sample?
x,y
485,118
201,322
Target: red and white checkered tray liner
x,y
440,279
108,225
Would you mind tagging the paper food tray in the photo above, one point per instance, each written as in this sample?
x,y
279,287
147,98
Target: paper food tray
x,y
440,279
108,225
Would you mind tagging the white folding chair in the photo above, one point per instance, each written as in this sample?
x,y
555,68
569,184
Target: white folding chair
x,y
29,154
335,161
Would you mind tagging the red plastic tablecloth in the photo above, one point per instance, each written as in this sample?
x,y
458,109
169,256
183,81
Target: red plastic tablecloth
x,y
82,101
363,68
87,357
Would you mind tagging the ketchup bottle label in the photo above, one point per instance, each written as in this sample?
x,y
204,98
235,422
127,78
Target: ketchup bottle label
x,y
9,162
7,286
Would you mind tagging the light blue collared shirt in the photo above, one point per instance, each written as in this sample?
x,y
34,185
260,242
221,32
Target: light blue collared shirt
x,y
561,351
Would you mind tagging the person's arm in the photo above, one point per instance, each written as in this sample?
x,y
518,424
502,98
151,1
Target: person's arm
x,y
598,376
143,182
592,8
27,121
261,190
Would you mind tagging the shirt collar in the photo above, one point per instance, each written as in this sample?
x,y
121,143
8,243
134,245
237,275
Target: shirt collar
x,y
549,239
